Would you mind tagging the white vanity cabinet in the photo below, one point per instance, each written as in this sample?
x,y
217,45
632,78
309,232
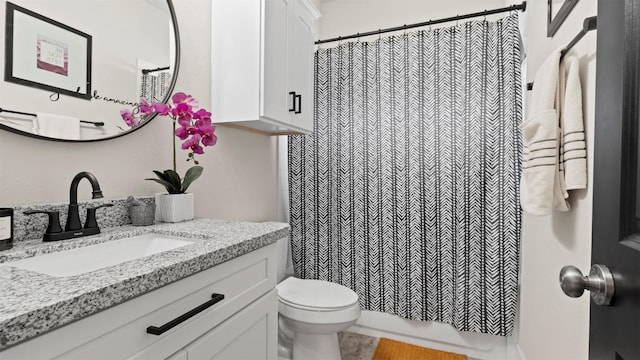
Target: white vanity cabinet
x,y
262,64
243,325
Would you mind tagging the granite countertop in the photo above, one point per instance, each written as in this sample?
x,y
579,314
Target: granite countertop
x,y
33,303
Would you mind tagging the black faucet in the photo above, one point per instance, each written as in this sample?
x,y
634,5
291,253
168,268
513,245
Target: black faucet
x,y
73,217
73,227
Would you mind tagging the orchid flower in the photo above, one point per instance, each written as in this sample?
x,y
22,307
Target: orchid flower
x,y
129,118
145,107
182,98
194,124
193,144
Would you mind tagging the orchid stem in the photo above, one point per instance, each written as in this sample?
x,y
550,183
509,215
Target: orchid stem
x,y
174,145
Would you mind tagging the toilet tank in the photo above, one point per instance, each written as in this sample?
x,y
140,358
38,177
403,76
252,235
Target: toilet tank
x,y
285,265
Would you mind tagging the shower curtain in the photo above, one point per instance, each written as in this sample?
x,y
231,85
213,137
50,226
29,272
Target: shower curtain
x,y
407,190
154,86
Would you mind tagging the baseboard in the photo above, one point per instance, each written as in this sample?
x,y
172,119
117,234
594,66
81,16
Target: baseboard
x,y
514,352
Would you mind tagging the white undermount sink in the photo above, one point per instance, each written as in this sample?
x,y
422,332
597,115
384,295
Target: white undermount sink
x,y
93,257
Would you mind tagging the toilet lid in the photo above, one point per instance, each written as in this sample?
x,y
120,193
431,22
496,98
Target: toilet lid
x,y
316,294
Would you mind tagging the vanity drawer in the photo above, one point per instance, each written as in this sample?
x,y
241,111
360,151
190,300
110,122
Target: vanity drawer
x,y
121,331
257,324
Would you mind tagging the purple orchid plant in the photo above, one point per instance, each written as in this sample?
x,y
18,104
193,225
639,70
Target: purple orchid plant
x,y
195,129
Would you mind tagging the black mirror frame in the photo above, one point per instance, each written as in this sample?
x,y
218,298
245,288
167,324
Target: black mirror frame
x,y
174,78
554,22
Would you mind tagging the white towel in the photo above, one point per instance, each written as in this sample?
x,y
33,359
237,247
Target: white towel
x,y
540,140
573,157
56,126
554,157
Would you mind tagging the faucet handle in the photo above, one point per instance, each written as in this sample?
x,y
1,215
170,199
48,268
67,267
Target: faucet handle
x,y
91,216
54,220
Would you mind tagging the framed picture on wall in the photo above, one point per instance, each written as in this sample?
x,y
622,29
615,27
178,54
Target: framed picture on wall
x,y
557,12
46,54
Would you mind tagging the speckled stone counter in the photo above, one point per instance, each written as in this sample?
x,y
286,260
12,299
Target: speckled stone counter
x,y
33,303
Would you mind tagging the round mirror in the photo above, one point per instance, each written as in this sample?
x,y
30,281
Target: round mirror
x,y
71,66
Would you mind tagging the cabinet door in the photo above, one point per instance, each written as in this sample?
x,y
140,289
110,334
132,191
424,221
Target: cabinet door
x,y
237,34
276,79
301,57
252,333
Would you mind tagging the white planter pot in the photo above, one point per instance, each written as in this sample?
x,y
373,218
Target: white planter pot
x,y
174,207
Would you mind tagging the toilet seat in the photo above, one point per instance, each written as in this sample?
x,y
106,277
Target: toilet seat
x,y
313,308
317,301
315,295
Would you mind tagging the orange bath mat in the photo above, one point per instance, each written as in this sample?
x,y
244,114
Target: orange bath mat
x,y
396,350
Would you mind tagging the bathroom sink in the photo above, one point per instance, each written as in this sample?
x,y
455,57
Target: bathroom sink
x,y
89,258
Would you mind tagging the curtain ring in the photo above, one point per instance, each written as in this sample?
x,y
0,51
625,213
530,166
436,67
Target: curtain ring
x,y
54,96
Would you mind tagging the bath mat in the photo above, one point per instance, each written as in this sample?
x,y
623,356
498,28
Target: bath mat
x,y
396,350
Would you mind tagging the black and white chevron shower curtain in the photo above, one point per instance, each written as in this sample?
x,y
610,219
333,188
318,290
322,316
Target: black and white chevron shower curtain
x,y
407,190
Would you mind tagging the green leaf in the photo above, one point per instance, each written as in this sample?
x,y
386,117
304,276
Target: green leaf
x,y
169,179
174,178
192,174
162,176
171,189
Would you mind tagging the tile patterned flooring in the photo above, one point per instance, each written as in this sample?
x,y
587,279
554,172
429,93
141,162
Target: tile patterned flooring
x,y
356,346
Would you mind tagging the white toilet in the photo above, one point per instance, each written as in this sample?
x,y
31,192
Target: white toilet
x,y
315,310
311,313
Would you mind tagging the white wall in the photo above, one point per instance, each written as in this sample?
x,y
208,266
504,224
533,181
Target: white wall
x,y
552,325
239,179
345,17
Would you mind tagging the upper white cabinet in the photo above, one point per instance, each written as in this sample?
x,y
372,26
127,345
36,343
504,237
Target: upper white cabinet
x,y
262,64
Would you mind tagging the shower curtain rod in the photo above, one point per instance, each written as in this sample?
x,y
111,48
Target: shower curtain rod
x,y
522,7
146,71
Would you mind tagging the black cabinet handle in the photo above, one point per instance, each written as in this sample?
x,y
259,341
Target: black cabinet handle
x,y
293,101
299,98
154,330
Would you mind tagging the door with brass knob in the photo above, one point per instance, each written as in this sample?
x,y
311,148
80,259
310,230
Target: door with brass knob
x,y
614,280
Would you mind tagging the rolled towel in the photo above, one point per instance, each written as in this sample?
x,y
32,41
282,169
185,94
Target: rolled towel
x,y
57,126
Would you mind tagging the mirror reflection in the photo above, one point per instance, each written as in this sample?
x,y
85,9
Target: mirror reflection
x,y
70,66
